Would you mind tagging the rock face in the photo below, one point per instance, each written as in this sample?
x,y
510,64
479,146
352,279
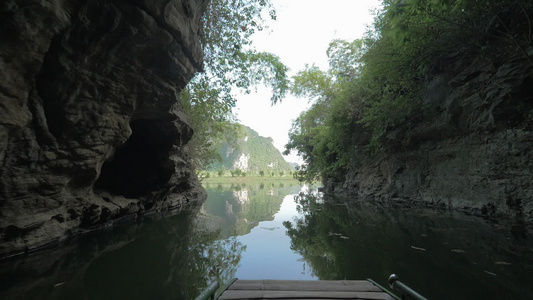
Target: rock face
x,y
253,153
90,128
475,156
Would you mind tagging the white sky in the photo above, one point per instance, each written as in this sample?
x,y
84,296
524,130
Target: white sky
x,y
300,35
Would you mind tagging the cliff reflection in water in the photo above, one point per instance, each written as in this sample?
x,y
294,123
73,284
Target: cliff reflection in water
x,y
155,258
238,208
441,254
239,232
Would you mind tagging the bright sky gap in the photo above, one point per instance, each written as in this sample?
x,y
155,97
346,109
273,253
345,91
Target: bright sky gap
x,y
300,35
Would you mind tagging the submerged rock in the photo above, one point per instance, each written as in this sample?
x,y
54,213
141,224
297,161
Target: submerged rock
x,y
90,128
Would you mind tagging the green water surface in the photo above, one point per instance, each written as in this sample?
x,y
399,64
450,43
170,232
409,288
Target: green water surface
x,y
273,230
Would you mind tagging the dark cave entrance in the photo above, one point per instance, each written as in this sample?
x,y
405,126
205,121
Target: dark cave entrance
x,y
142,164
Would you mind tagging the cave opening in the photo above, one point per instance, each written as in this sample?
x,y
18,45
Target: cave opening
x,y
142,164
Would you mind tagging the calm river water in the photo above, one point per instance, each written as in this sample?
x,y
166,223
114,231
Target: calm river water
x,y
281,230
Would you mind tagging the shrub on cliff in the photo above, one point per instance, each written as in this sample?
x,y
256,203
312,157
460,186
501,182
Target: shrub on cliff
x,y
413,40
375,86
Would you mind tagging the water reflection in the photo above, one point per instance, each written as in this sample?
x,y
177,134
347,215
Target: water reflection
x,y
255,213
237,208
443,255
155,258
269,231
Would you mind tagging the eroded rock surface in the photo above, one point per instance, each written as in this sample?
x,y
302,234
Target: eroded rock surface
x,y
90,128
475,156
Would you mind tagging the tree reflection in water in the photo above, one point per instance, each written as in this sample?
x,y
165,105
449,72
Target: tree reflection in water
x,y
172,257
169,258
218,258
179,257
442,254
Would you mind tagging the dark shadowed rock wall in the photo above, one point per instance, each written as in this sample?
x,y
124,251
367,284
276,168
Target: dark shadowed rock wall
x,y
90,128
474,155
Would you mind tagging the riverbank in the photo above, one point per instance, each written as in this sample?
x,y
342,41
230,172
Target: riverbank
x,y
247,179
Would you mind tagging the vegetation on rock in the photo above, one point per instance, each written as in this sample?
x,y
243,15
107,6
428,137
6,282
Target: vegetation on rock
x,y
231,64
250,154
377,90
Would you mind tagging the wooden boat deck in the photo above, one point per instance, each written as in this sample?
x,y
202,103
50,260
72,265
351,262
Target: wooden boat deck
x,y
304,289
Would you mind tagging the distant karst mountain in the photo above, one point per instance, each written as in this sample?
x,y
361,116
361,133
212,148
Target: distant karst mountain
x,y
253,153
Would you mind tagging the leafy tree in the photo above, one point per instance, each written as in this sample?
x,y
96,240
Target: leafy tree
x,y
202,174
419,38
345,59
375,85
220,173
322,134
230,63
313,84
281,174
262,173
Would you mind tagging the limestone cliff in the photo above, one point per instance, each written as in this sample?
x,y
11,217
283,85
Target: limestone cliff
x,y
475,155
252,153
90,129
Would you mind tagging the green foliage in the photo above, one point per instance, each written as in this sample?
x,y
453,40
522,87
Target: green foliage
x,y
210,116
236,173
312,83
262,173
229,56
375,85
230,63
345,59
418,38
202,174
322,134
